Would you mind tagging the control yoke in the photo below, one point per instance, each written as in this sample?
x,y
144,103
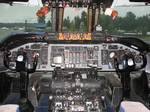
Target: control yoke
x,y
21,62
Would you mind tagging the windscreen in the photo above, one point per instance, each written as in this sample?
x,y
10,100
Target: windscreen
x,y
133,19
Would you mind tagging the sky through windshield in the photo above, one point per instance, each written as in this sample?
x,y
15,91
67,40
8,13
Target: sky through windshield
x,y
20,13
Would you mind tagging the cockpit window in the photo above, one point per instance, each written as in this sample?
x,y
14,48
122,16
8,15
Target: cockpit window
x,y
132,20
75,55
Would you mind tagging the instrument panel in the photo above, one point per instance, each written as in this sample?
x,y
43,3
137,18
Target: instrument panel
x,y
75,56
99,56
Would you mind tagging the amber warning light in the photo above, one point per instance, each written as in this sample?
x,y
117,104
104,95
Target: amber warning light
x,y
74,36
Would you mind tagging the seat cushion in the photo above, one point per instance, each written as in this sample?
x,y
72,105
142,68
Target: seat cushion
x,y
9,108
130,106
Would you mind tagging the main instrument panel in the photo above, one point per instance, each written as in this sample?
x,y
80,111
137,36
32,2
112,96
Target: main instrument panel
x,y
75,56
99,56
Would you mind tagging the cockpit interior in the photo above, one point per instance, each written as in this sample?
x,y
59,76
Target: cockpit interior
x,y
59,71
